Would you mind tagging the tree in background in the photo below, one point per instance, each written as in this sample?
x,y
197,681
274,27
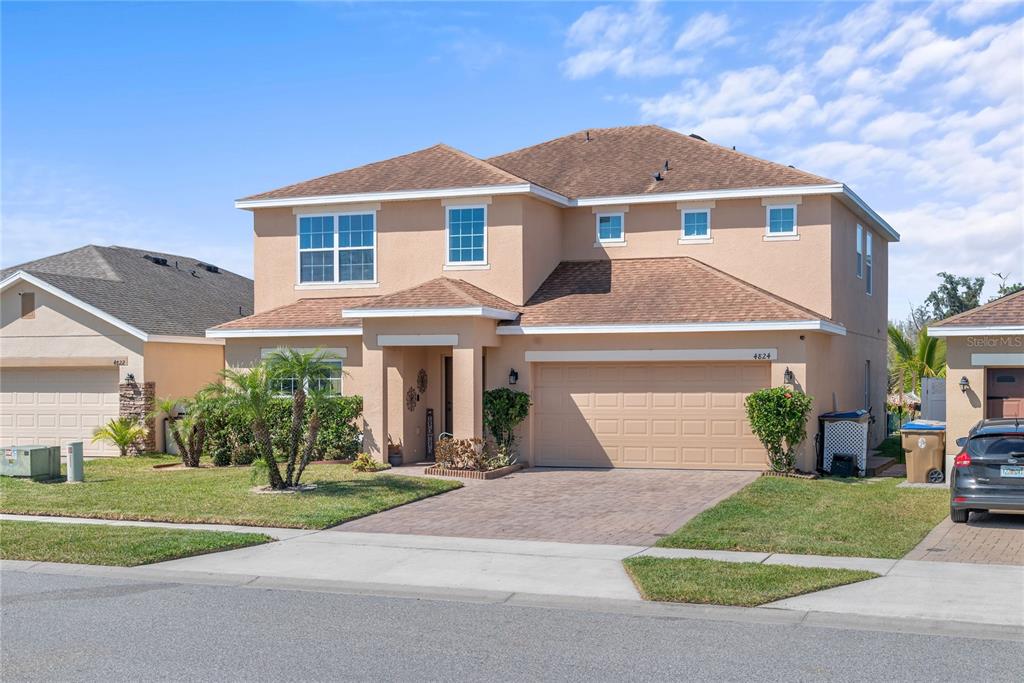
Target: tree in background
x,y
954,295
1006,288
914,358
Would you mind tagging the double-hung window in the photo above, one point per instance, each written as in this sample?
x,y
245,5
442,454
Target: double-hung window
x,y
696,225
781,221
467,235
860,251
330,381
338,248
610,228
869,285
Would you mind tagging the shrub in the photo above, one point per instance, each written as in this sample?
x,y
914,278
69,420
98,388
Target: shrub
x,y
339,433
364,463
778,418
504,410
462,454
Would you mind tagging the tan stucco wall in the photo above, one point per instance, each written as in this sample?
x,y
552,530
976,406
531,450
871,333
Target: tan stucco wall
x,y
796,270
853,307
542,243
179,371
411,249
60,330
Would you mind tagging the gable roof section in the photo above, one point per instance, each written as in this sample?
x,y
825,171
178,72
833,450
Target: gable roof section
x,y
1005,315
436,167
305,317
120,286
621,161
438,297
678,291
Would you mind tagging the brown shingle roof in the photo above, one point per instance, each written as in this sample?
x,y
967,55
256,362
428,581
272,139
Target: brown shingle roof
x,y
436,167
652,290
440,292
304,313
621,161
1008,310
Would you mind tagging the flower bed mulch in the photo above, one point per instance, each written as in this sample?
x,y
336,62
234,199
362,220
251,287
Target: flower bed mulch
x,y
795,474
473,474
179,466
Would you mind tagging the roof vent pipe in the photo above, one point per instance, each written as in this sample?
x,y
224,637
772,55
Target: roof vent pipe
x,y
588,136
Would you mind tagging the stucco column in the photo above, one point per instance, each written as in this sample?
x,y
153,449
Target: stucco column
x,y
467,392
376,361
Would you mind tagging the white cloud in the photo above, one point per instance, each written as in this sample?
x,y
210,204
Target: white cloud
x,y
704,29
634,43
924,118
974,10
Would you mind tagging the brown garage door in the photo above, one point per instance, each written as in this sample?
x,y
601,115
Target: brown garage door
x,y
55,406
668,415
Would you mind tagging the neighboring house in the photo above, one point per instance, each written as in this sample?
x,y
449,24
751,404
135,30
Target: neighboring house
x,y
638,283
98,332
984,365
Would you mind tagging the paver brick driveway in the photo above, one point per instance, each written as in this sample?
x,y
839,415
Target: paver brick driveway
x,y
986,539
621,507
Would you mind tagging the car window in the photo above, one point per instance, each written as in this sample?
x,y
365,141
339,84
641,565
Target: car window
x,y
996,445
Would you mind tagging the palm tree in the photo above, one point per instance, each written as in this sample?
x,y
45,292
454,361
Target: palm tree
x,y
169,407
318,395
923,357
188,429
249,392
305,370
123,432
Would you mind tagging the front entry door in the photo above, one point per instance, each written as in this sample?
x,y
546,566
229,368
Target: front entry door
x,y
1005,392
448,426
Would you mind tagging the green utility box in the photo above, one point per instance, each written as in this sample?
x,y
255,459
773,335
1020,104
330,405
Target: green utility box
x,y
37,462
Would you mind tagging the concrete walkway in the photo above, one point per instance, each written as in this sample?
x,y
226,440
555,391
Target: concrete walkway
x,y
976,593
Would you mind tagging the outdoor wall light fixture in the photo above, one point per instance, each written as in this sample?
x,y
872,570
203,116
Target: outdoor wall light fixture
x,y
964,385
513,377
788,377
129,378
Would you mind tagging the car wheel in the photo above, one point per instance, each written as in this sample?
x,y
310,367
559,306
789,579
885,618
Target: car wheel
x,y
959,516
935,476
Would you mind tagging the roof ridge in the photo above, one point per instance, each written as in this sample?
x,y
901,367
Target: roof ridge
x,y
478,160
1001,300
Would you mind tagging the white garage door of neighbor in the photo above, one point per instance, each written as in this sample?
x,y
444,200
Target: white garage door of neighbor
x,y
656,415
55,406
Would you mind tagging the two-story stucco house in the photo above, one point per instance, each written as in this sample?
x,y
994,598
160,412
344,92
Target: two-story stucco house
x,y
637,282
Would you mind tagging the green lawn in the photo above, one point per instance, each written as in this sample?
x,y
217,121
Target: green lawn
x,y
129,488
122,546
855,517
746,584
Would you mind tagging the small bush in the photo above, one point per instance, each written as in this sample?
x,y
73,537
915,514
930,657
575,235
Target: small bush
x,y
778,418
464,454
504,409
258,472
221,457
364,463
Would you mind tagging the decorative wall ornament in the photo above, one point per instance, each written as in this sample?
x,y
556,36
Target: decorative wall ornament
x,y
421,381
411,399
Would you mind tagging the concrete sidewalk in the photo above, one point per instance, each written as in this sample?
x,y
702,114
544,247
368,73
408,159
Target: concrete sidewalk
x,y
976,593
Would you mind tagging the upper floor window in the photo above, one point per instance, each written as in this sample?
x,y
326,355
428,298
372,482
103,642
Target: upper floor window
x,y
467,235
696,225
338,248
869,285
609,228
781,220
860,251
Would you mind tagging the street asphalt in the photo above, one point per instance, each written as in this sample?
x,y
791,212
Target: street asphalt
x,y
71,627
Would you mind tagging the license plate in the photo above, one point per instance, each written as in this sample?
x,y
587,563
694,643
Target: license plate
x,y
1012,471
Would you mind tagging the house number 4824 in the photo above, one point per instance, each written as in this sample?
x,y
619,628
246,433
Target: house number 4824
x,y
763,356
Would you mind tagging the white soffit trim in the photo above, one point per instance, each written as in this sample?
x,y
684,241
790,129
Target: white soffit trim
x,y
417,340
176,339
708,195
469,311
282,332
964,331
22,276
339,351
405,195
651,355
997,359
779,326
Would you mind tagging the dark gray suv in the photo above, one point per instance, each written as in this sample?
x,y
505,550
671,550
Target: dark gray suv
x,y
988,474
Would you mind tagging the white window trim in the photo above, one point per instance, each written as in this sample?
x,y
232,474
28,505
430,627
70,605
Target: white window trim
x,y
455,265
621,241
869,264
694,239
794,233
860,251
335,250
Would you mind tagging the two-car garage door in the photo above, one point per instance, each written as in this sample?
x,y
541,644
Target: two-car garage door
x,y
55,406
656,415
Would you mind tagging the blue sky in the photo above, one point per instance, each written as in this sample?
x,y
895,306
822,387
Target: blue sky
x,y
138,124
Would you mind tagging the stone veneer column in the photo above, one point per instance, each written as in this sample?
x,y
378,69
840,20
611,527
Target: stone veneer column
x,y
138,401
